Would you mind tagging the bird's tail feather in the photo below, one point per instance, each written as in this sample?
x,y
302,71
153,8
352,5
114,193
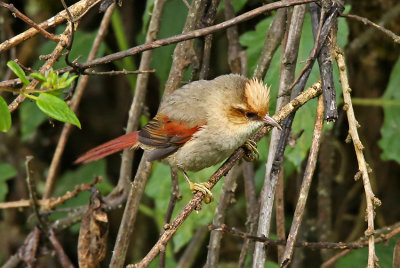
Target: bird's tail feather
x,y
113,146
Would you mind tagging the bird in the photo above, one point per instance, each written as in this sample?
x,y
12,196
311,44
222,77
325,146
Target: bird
x,y
199,125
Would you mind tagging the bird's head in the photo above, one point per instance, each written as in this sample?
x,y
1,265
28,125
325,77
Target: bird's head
x,y
252,106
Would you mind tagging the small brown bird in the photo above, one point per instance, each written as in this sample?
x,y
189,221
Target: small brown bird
x,y
199,125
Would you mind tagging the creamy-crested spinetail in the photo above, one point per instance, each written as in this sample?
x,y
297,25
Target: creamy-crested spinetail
x,y
199,125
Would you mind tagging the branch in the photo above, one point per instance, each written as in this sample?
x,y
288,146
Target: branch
x,y
27,20
194,34
305,186
372,201
55,162
395,37
384,235
312,92
76,10
288,67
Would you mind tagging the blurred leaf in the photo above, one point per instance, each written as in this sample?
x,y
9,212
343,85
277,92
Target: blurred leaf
x,y
5,116
18,71
390,142
38,76
6,172
159,188
57,108
31,118
127,62
358,258
81,47
172,24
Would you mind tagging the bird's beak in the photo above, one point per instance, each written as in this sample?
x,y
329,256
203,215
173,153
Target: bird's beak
x,y
270,121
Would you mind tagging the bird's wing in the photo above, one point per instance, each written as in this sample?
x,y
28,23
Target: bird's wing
x,y
165,135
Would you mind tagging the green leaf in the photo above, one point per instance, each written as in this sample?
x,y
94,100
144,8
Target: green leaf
x,y
390,142
18,71
38,76
5,116
6,172
57,109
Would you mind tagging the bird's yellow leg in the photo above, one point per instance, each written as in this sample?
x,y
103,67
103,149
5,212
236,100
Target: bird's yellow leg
x,y
251,152
203,187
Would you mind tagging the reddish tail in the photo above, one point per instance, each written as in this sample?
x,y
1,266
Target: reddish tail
x,y
108,148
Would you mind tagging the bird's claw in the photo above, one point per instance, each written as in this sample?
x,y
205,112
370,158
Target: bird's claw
x,y
251,153
203,187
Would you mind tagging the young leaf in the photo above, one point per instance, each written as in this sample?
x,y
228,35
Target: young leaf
x,y
5,116
38,76
57,108
18,71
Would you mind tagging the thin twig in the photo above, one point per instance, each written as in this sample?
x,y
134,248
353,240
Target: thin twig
x,y
27,20
366,36
76,10
208,20
395,37
371,200
55,162
122,72
138,99
385,234
49,204
312,92
175,196
194,33
33,198
225,196
62,256
288,67
325,65
131,208
305,186
252,208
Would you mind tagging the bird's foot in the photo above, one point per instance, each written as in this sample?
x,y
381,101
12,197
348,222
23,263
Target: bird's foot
x,y
203,187
250,151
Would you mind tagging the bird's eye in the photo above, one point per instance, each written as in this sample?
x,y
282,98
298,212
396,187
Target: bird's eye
x,y
251,115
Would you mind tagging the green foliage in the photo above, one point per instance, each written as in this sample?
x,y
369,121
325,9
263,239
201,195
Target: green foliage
x,y
56,108
47,102
159,188
17,70
6,172
358,258
5,116
30,116
390,142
